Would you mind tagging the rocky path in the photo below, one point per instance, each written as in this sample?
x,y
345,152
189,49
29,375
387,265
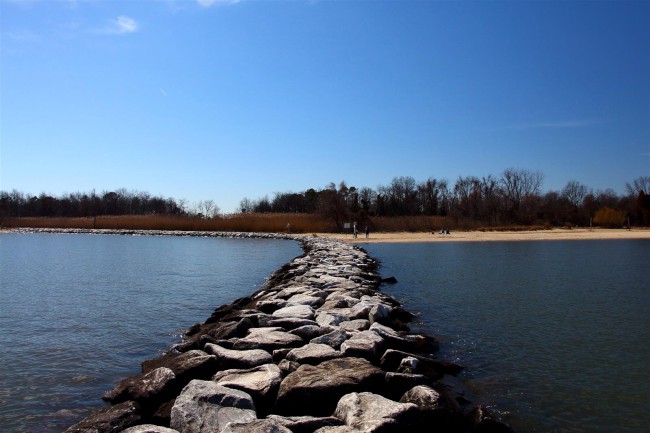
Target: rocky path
x,y
318,349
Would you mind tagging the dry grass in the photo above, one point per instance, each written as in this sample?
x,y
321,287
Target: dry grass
x,y
270,223
267,223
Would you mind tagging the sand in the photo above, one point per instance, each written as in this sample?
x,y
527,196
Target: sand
x,y
476,236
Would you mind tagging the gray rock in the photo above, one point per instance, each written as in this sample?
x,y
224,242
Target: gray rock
x,y
260,381
256,426
112,419
328,318
149,388
398,383
305,424
308,332
287,366
333,339
379,313
267,339
315,390
313,354
424,397
364,344
304,299
291,323
295,311
368,412
227,358
194,364
355,325
149,428
204,407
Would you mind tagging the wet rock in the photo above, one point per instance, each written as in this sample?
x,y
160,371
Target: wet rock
x,y
111,419
398,383
205,407
313,354
482,421
315,390
147,389
433,368
227,358
194,364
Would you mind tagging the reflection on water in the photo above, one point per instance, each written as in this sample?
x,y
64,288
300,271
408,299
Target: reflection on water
x,y
80,312
554,333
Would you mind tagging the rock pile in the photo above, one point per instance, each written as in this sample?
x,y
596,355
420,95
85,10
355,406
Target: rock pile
x,y
318,349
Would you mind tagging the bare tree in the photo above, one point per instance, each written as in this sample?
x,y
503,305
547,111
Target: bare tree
x,y
574,192
640,184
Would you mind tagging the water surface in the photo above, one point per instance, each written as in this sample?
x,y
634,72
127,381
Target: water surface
x,y
80,312
554,333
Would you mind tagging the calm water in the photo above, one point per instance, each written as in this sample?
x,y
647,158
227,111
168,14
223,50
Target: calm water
x,y
555,333
80,312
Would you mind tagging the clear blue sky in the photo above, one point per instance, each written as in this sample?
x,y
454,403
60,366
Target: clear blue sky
x,y
230,99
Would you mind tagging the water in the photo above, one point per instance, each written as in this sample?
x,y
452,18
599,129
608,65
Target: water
x,y
555,334
78,313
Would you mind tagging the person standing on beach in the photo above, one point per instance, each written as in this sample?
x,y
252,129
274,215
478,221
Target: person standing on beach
x,y
367,232
354,230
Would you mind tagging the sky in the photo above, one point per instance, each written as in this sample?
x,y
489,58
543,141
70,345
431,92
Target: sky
x,y
221,100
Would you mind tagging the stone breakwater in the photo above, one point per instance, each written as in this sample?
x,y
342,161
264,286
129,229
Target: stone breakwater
x,y
317,349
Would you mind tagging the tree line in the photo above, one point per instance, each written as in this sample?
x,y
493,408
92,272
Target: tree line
x,y
514,197
118,202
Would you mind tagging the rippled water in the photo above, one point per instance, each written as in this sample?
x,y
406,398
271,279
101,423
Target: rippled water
x,y
555,334
80,312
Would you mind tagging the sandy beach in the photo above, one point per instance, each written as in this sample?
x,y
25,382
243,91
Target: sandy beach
x,y
478,236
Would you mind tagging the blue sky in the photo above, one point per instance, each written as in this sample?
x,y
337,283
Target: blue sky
x,y
224,100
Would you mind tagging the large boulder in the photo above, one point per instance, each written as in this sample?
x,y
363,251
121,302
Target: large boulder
x,y
368,412
313,354
194,364
148,389
267,339
315,390
333,339
299,311
364,344
204,407
112,419
227,358
261,383
305,424
256,426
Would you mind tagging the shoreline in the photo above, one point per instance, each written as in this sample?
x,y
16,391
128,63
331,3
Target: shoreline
x,y
496,236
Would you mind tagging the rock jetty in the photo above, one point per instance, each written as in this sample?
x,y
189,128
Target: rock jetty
x,y
319,349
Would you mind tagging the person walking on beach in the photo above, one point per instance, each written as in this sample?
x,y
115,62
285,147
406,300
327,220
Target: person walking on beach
x,y
367,232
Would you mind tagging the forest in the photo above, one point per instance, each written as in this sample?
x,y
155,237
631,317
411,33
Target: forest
x,y
513,198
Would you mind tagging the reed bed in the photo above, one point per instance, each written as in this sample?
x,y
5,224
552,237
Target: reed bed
x,y
256,222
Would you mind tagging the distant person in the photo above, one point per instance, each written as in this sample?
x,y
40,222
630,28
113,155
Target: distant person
x,y
367,232
354,231
288,227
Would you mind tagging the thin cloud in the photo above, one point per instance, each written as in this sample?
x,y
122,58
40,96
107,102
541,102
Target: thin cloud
x,y
210,3
120,26
563,124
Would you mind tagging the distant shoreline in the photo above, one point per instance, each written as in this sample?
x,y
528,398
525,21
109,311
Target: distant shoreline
x,y
495,236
